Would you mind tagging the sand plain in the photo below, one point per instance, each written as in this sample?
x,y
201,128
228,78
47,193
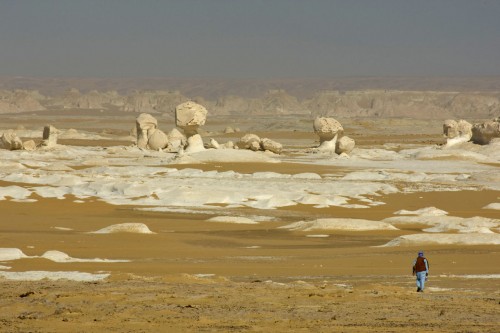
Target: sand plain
x,y
199,276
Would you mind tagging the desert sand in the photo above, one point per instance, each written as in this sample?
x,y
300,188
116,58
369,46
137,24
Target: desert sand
x,y
221,245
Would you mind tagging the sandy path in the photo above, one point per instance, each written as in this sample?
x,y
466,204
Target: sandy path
x,y
186,303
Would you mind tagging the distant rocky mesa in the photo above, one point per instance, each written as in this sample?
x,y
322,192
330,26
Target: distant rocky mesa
x,y
365,103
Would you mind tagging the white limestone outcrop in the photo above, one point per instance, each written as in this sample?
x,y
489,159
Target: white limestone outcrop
x,y
331,136
249,141
485,132
176,140
194,144
29,145
344,145
272,146
457,131
146,124
49,138
327,128
254,143
149,136
190,116
9,140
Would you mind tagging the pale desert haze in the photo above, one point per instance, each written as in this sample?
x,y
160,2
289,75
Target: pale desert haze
x,y
231,166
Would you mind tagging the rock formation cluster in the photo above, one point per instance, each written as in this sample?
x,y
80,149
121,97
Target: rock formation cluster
x,y
9,140
148,134
253,142
462,131
189,117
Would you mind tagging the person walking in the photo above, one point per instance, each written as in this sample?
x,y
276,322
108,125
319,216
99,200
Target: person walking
x,y
421,269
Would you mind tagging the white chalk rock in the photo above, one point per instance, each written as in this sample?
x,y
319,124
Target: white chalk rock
x,y
456,131
7,254
189,116
249,141
328,145
49,138
214,144
136,228
272,146
158,140
145,124
176,140
327,128
485,132
29,145
344,145
195,144
228,145
9,140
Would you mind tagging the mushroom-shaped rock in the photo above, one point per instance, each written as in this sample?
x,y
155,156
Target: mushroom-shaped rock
x,y
272,146
157,140
249,141
146,124
29,145
49,138
9,140
485,132
189,116
195,144
344,145
327,128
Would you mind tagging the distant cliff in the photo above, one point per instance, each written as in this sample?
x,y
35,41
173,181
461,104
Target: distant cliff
x,y
330,102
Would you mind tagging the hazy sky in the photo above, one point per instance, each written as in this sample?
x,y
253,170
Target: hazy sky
x,y
249,38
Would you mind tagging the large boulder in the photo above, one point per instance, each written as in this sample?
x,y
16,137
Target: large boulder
x,y
270,145
485,132
157,140
189,116
344,145
454,129
9,140
29,145
327,128
146,125
49,138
